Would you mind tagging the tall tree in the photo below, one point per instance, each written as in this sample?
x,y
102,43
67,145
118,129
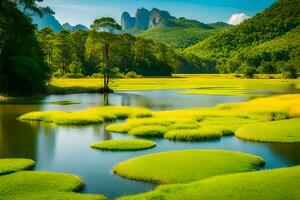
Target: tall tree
x,y
106,26
22,67
62,52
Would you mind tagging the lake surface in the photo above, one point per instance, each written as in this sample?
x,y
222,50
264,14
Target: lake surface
x,y
66,149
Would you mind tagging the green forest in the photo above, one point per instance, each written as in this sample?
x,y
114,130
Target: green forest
x,y
268,43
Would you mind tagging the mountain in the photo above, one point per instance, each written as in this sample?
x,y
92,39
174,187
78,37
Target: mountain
x,y
71,28
231,49
48,20
145,19
160,26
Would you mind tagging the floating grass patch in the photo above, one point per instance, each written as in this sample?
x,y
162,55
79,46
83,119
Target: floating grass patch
x,y
66,102
277,184
200,124
42,185
285,131
200,134
148,131
186,166
186,125
118,128
9,165
124,145
88,116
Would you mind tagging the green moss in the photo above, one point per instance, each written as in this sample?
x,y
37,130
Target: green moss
x,y
10,165
186,166
275,184
200,134
285,131
124,145
40,185
88,116
148,131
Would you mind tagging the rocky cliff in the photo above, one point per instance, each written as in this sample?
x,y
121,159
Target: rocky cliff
x,y
145,19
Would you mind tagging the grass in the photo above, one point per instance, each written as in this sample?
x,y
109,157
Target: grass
x,y
124,145
42,185
10,165
200,134
195,124
148,131
66,102
277,184
206,81
186,165
89,116
285,131
200,124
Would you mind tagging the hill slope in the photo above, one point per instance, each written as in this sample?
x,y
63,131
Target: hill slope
x,y
223,48
160,26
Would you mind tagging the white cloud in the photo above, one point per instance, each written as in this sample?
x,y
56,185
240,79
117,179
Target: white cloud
x,y
237,18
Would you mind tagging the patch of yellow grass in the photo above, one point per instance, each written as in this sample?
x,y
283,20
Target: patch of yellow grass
x,y
88,116
211,123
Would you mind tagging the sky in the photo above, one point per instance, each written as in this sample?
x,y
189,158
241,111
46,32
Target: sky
x,y
207,11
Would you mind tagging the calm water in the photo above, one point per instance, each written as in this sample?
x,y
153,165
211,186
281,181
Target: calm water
x,y
66,149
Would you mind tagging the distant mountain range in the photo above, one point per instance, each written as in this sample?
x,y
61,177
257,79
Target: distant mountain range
x,y
49,20
145,19
161,26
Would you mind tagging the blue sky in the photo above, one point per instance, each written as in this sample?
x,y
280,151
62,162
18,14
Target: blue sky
x,y
85,11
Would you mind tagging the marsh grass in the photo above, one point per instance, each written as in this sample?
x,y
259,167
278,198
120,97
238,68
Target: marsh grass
x,y
221,83
10,165
66,102
276,184
124,145
200,124
40,185
200,134
148,131
186,165
283,131
88,116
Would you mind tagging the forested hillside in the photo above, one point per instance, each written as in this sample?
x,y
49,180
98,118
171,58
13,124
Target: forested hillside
x,y
160,26
230,50
177,37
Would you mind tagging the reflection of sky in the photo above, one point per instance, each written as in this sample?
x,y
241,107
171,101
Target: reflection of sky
x,y
67,148
84,12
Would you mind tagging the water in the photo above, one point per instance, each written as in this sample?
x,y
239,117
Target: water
x,y
66,149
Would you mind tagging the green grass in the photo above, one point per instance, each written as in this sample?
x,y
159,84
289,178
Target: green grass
x,y
89,116
186,166
66,102
277,184
285,131
224,83
10,165
124,145
42,185
148,131
200,134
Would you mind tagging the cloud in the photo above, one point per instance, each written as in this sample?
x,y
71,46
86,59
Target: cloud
x,y
237,18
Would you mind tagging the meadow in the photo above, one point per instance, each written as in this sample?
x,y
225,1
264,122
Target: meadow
x,y
213,84
272,116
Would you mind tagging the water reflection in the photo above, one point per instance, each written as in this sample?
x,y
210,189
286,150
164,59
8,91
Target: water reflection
x,y
66,148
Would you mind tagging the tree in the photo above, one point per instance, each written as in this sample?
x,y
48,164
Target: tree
x,y
45,38
62,52
22,67
106,26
